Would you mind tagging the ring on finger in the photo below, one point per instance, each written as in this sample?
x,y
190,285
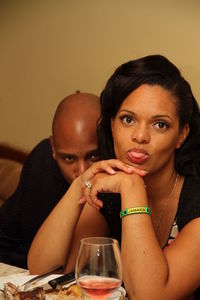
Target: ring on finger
x,y
88,184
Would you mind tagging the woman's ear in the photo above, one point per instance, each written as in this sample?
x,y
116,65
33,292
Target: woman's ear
x,y
52,147
183,135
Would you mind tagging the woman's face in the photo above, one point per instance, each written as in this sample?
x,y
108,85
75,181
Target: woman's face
x,y
146,129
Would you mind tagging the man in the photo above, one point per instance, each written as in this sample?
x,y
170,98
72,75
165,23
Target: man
x,y
47,173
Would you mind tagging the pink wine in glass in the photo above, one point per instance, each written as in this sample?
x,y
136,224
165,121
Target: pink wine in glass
x,y
98,287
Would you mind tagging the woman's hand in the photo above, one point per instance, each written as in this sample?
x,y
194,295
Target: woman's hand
x,y
109,167
105,183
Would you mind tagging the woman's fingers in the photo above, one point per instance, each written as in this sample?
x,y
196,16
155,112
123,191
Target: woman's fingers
x,y
91,199
111,166
104,168
90,192
102,183
138,171
82,200
106,183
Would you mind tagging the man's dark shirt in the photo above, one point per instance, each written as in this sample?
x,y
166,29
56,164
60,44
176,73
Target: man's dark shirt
x,y
40,188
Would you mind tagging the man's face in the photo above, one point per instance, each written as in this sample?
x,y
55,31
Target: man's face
x,y
74,147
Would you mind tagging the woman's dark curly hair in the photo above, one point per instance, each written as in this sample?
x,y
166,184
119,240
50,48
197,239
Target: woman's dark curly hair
x,y
152,70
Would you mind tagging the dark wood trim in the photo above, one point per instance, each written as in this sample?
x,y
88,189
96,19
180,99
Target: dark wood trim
x,y
9,152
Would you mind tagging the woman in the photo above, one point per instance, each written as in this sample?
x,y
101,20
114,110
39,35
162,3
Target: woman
x,y
150,123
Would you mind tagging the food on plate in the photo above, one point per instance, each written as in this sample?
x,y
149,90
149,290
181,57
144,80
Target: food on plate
x,y
72,292
11,292
75,290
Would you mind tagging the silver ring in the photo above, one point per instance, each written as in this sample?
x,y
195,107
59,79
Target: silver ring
x,y
88,184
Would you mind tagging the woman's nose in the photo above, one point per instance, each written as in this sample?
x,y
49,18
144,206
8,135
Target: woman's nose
x,y
141,134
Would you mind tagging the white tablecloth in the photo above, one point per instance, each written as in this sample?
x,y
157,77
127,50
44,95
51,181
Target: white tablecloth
x,y
9,270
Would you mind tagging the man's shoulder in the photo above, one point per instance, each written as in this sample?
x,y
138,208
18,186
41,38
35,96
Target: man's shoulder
x,y
42,146
40,159
41,150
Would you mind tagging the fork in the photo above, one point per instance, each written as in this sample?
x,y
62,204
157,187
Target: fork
x,y
28,283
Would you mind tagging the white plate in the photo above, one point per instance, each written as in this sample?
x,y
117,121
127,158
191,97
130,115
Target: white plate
x,y
118,293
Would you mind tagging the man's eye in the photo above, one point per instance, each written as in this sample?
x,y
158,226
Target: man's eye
x,y
161,124
127,119
94,156
68,158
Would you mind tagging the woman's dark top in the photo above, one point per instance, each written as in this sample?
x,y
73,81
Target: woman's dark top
x,y
188,208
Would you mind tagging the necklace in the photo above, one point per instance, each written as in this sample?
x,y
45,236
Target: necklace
x,y
165,205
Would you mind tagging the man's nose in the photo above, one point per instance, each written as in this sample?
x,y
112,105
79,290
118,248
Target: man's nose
x,y
81,167
141,134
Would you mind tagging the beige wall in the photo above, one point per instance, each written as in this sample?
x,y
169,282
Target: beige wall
x,y
49,49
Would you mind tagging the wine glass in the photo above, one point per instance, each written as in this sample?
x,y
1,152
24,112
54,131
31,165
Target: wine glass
x,y
98,267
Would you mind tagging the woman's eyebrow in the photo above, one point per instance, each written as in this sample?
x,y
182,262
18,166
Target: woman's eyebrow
x,y
126,111
153,117
162,116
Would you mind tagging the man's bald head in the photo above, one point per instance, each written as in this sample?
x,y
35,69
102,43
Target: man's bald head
x,y
79,106
74,138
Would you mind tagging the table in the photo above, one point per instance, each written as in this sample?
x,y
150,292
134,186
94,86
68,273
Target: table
x,y
6,269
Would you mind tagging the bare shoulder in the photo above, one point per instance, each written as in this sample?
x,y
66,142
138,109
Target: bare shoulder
x,y
183,257
187,242
190,233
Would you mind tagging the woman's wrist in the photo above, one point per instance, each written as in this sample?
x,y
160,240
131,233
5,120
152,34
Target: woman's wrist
x,y
133,193
75,190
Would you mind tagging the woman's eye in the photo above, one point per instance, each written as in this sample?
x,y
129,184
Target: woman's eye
x,y
127,119
161,124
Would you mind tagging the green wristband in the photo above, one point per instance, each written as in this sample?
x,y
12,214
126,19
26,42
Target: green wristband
x,y
135,210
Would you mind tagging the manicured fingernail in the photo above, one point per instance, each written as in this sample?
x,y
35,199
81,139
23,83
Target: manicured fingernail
x,y
144,172
100,203
112,171
82,200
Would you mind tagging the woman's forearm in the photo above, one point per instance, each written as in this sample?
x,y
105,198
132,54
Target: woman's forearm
x,y
52,242
145,266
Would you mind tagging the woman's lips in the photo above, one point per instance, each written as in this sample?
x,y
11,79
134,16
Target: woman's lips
x,y
137,156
